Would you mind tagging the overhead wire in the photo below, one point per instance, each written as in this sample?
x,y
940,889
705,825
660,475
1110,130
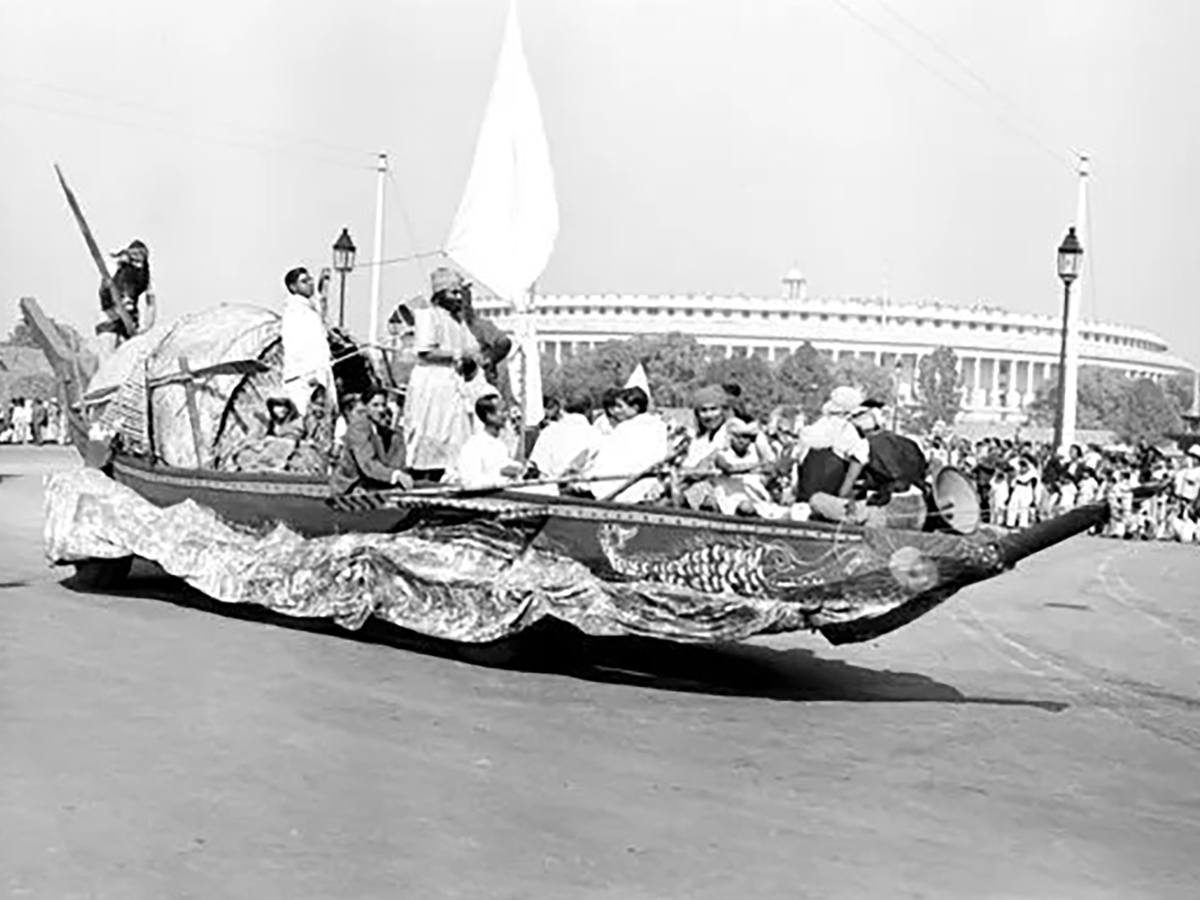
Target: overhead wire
x,y
393,260
177,114
177,133
888,36
961,64
412,236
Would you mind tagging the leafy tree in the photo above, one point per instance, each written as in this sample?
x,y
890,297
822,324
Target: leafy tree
x,y
1180,389
1108,399
1147,415
674,364
939,388
804,378
589,373
873,380
21,335
754,375
29,384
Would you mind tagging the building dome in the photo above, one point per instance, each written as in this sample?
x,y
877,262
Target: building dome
x,y
795,285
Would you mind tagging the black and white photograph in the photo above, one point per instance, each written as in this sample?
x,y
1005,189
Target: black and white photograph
x,y
625,449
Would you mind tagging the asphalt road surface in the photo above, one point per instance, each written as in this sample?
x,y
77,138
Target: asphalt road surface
x,y
1036,737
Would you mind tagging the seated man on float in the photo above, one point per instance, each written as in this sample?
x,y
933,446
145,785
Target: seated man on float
x,y
371,457
485,460
740,488
835,455
896,467
638,442
693,480
567,444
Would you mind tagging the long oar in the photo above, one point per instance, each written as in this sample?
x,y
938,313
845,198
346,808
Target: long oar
x,y
379,499
458,490
97,256
647,472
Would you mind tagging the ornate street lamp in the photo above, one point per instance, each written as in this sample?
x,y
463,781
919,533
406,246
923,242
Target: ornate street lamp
x,y
343,262
1070,260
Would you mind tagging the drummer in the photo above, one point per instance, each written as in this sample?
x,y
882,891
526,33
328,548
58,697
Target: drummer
x,y
896,465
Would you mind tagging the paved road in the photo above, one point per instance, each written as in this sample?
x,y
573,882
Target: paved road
x,y
1038,737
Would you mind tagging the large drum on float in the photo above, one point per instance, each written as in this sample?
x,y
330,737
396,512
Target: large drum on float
x,y
953,503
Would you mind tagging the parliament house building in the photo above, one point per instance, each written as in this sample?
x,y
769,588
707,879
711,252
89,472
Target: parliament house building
x,y
1004,356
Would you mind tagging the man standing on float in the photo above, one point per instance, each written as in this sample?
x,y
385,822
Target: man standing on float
x,y
307,364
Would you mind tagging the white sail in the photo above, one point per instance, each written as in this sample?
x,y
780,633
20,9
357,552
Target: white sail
x,y
505,227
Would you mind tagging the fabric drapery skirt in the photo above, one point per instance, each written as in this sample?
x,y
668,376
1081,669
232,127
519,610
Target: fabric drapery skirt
x,y
439,415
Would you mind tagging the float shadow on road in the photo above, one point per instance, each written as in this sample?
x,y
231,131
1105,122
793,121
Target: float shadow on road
x,y
748,670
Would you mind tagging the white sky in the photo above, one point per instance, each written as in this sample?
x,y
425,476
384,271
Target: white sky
x,y
699,145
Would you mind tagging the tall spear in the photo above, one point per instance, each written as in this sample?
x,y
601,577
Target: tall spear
x,y
97,256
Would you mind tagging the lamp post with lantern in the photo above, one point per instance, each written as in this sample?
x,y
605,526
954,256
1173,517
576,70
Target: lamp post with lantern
x,y
343,262
1070,259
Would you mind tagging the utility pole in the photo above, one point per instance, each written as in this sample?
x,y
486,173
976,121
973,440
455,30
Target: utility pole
x,y
377,255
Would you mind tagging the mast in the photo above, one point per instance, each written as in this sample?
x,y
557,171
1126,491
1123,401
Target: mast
x,y
377,254
1070,398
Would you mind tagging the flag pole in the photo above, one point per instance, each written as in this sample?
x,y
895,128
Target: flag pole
x,y
523,400
377,257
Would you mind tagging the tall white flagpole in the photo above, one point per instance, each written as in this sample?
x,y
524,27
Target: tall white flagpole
x,y
1070,399
377,255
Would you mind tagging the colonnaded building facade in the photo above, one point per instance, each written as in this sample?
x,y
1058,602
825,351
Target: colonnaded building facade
x,y
1004,357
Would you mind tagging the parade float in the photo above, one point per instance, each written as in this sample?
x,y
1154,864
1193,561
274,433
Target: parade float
x,y
163,422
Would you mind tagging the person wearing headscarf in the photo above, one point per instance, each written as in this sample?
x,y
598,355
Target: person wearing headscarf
x,y
836,454
128,290
740,488
445,383
895,465
710,406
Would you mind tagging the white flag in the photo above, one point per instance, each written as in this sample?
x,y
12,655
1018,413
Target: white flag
x,y
639,379
504,230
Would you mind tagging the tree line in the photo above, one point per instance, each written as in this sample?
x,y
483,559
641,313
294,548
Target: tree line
x,y
677,364
1134,409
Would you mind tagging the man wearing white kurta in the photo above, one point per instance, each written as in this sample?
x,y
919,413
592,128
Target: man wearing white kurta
x,y
566,445
306,360
484,460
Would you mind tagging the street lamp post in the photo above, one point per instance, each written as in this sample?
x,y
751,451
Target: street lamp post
x,y
343,262
1070,258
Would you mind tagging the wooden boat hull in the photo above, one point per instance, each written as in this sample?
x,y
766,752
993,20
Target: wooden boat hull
x,y
851,583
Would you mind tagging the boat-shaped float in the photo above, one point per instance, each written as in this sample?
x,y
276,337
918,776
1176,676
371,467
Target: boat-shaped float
x,y
471,566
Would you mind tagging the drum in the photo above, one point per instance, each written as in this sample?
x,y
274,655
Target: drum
x,y
953,503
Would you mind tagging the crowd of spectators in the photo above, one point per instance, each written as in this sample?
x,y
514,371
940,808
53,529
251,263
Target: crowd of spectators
x,y
1020,483
26,420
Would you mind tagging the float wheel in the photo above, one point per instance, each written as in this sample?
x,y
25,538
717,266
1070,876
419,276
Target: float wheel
x,y
103,574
